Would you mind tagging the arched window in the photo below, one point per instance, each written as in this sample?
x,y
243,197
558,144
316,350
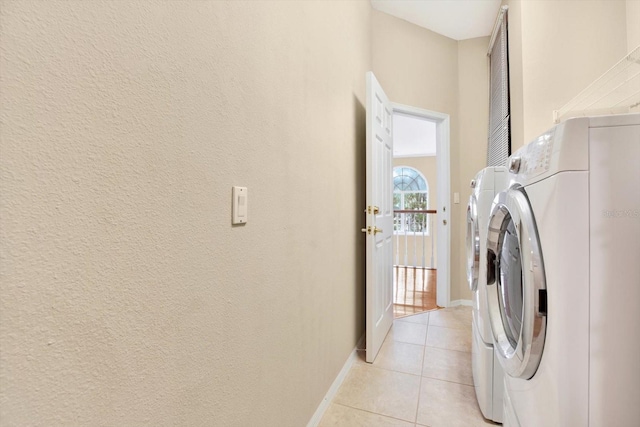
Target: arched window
x,y
410,192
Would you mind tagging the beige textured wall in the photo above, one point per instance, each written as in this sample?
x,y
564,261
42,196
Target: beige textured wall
x,y
127,296
473,114
564,47
426,165
633,32
633,24
420,68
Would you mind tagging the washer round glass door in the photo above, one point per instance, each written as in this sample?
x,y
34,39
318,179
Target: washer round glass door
x,y
516,286
473,244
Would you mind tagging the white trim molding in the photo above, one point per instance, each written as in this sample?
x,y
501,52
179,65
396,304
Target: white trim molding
x,y
496,26
326,401
465,302
443,228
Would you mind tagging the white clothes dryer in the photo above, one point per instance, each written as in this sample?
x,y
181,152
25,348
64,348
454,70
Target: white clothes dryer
x,y
487,372
563,282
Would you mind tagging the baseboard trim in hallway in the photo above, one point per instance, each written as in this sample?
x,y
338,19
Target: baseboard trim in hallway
x,y
326,401
465,302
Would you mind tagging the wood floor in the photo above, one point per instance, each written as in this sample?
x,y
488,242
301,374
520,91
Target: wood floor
x,y
414,290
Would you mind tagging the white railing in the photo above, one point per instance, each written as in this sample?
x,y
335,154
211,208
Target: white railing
x,y
414,225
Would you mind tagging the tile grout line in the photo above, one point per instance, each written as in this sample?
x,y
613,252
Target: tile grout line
x,y
448,349
424,351
372,366
448,327
447,381
422,380
444,348
373,413
439,348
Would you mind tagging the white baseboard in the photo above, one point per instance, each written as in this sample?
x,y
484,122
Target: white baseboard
x,y
326,401
457,302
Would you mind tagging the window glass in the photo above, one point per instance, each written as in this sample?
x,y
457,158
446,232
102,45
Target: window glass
x,y
510,283
408,179
397,201
410,192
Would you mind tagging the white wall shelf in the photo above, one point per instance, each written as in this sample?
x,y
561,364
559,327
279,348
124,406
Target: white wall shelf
x,y
615,92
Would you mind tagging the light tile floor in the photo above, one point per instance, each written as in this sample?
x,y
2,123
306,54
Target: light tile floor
x,y
421,377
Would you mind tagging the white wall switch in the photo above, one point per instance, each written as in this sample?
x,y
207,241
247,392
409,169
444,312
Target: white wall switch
x,y
456,197
240,208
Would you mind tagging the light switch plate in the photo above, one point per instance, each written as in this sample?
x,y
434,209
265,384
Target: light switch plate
x,y
240,205
456,197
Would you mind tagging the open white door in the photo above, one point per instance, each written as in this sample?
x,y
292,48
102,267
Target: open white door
x,y
379,301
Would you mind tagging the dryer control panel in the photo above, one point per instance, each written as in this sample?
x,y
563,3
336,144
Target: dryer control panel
x,y
534,158
538,155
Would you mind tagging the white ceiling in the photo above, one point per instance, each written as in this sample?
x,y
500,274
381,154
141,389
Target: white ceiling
x,y
413,136
456,19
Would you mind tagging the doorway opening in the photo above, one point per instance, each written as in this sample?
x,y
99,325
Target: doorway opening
x,y
420,183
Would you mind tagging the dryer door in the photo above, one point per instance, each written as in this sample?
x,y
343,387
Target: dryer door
x,y
516,286
473,244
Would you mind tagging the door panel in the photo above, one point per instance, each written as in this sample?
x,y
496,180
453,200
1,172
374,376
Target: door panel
x,y
379,152
516,284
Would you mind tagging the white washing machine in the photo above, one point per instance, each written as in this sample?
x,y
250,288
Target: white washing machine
x,y
487,372
564,286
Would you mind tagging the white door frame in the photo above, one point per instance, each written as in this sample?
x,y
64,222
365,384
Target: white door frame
x,y
443,166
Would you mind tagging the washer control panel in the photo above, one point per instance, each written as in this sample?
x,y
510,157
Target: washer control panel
x,y
536,156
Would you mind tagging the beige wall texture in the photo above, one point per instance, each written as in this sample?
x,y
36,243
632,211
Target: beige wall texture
x,y
633,24
127,296
563,45
427,166
633,33
473,121
420,68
